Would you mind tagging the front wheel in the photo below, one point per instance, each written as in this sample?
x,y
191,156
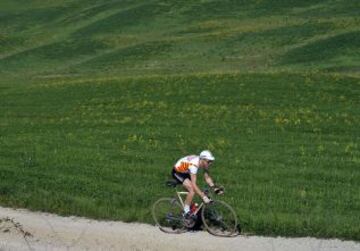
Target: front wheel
x,y
219,219
167,214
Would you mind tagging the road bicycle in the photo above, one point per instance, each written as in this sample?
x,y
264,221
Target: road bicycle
x,y
217,217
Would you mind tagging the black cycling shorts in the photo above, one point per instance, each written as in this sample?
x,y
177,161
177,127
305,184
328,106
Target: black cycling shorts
x,y
180,177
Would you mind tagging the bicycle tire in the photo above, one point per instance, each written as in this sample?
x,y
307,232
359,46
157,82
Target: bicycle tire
x,y
219,219
167,214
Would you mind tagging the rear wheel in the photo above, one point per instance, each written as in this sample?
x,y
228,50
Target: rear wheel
x,y
167,214
219,219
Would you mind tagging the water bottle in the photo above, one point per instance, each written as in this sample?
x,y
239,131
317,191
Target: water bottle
x,y
193,207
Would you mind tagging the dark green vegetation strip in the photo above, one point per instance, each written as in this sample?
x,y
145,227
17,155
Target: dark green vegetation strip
x,y
166,37
286,146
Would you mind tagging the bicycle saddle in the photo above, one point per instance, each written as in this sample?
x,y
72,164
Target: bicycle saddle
x,y
172,183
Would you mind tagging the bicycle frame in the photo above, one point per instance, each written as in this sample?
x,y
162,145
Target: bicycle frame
x,y
182,201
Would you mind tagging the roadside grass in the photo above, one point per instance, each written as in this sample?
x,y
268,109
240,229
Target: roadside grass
x,y
286,146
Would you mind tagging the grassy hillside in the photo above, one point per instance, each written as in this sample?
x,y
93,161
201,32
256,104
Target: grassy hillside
x,y
98,99
287,147
147,37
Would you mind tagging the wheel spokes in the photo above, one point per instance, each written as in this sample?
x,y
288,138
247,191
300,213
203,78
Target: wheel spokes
x,y
219,219
167,214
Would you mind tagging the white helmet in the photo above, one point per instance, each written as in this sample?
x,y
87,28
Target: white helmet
x,y
206,154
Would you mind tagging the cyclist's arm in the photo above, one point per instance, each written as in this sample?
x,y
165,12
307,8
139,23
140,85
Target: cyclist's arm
x,y
196,188
208,179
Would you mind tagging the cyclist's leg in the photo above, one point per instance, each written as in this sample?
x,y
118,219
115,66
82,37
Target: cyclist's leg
x,y
185,180
189,197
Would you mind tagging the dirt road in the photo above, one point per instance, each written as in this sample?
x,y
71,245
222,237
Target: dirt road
x,y
24,230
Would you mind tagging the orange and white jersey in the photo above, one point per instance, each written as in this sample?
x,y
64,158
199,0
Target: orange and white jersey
x,y
188,164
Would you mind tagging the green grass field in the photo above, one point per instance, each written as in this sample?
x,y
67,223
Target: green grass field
x,y
99,99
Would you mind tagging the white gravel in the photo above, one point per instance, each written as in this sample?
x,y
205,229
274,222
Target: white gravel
x,y
53,232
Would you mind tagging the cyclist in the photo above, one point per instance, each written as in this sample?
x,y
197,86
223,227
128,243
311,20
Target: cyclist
x,y
185,171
